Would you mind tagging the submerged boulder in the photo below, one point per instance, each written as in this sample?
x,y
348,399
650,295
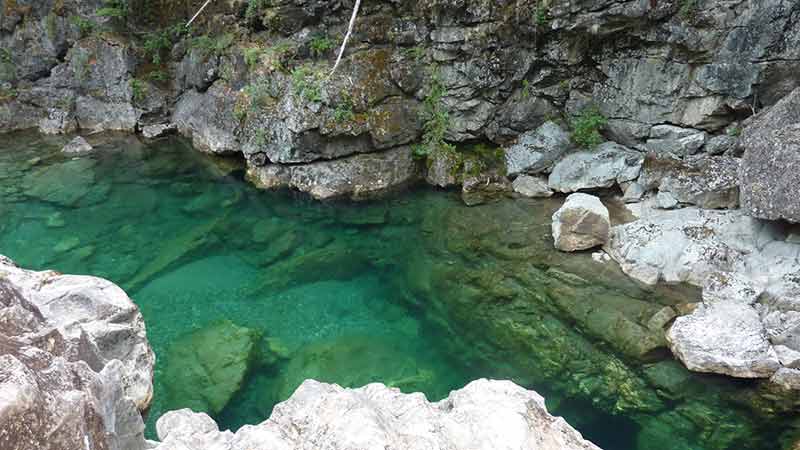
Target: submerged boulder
x,y
77,146
581,223
771,162
76,369
205,368
484,415
530,186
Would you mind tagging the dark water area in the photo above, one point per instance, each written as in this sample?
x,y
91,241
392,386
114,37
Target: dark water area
x,y
246,293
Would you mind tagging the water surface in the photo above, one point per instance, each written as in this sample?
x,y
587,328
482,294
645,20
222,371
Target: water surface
x,y
416,291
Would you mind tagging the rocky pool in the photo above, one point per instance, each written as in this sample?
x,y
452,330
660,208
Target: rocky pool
x,y
246,293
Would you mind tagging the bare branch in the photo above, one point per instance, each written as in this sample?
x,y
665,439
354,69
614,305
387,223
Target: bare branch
x,y
198,12
346,37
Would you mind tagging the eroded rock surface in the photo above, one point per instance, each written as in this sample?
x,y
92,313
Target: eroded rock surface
x,y
76,369
377,417
749,313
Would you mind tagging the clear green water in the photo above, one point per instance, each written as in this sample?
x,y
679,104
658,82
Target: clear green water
x,y
416,291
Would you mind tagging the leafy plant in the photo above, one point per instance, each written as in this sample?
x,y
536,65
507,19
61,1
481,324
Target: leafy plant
x,y
416,52
436,121
526,89
541,15
254,8
252,55
138,89
85,26
212,45
5,56
157,43
320,45
481,157
307,84
734,132
158,76
586,128
344,110
688,9
115,9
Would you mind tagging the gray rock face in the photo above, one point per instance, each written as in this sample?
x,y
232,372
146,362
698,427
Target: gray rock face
x,y
386,418
77,146
771,162
707,181
61,382
530,186
675,140
158,130
536,151
442,170
484,188
357,177
603,167
581,223
747,323
208,119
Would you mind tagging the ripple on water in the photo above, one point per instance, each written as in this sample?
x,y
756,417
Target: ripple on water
x,y
246,293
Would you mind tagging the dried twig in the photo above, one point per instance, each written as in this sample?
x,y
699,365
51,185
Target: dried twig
x,y
346,37
198,12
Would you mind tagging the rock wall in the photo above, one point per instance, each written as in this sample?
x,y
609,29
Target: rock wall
x,y
668,76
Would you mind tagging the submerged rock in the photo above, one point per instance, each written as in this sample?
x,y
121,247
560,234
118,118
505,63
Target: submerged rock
x,y
204,369
77,146
490,415
581,223
771,162
64,183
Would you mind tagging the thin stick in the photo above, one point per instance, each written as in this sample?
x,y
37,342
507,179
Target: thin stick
x,y
198,12
346,36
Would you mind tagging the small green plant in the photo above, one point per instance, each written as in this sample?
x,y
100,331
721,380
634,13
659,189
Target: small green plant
x,y
138,89
158,76
526,89
541,15
480,158
688,9
417,53
85,26
252,55
212,45
734,132
260,138
80,65
259,94
320,45
436,122
115,9
254,8
5,56
586,128
307,83
7,94
344,110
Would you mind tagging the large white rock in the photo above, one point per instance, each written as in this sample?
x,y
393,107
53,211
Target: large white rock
x,y
581,223
724,337
484,415
536,151
97,320
748,324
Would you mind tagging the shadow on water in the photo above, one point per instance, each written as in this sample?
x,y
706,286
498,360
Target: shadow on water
x,y
247,293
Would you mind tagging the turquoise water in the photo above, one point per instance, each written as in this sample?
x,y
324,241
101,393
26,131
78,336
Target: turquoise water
x,y
246,293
